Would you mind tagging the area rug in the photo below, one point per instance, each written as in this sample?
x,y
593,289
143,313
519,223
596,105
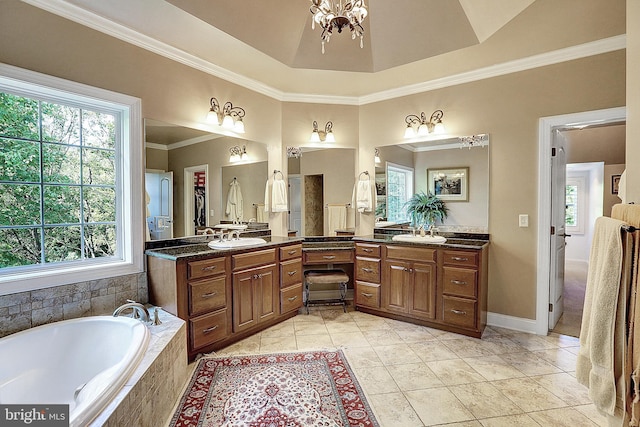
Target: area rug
x,y
281,390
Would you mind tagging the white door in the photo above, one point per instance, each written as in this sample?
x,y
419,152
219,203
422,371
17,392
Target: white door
x,y
159,188
295,204
557,232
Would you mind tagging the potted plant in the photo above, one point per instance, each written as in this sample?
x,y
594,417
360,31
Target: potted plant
x,y
426,209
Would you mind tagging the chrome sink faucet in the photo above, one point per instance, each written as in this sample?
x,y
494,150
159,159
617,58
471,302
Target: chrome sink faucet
x,y
139,311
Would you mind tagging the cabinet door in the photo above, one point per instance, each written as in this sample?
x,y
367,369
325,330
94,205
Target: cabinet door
x,y
267,293
244,305
399,281
422,301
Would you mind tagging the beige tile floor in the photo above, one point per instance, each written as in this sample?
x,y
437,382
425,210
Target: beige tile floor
x,y
417,376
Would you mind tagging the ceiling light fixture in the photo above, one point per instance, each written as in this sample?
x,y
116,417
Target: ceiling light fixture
x,y
322,136
227,116
424,126
331,16
238,154
474,141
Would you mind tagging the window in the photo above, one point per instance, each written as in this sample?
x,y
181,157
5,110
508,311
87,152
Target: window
x,y
399,190
575,196
69,197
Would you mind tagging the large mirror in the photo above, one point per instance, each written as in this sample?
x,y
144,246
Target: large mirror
x,y
455,171
188,179
321,184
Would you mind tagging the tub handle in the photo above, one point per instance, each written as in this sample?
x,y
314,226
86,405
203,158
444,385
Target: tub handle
x,y
211,329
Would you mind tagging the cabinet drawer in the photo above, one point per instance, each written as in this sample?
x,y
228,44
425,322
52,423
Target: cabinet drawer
x,y
463,258
290,272
208,328
411,253
205,268
291,298
459,312
368,250
460,281
367,294
326,257
368,270
251,259
208,294
289,252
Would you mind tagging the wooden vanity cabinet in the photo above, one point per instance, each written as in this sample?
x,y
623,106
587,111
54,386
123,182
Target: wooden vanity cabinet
x,y
255,288
410,278
367,275
290,278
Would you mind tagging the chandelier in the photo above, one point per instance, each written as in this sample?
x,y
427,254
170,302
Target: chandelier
x,y
331,16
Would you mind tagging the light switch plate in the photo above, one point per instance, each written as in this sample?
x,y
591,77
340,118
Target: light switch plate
x,y
523,220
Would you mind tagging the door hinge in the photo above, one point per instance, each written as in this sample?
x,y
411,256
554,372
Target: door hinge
x,y
550,308
553,230
553,151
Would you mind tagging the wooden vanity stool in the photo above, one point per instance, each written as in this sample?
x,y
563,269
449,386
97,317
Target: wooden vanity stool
x,y
325,277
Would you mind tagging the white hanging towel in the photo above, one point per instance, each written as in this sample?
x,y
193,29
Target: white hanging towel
x,y
279,196
337,218
267,198
234,201
260,215
363,195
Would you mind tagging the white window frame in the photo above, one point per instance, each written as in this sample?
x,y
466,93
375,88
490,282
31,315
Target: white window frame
x,y
409,175
129,216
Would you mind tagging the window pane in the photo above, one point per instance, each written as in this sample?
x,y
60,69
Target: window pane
x,y
61,164
19,204
98,167
100,241
60,124
98,129
62,244
61,204
99,205
19,247
19,161
19,117
571,211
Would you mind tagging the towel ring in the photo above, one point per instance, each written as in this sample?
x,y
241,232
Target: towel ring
x,y
276,171
365,173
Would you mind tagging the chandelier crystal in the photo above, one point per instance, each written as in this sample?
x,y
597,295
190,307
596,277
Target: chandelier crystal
x,y
335,16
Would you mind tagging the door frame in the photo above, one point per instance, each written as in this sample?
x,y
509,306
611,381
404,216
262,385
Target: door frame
x,y
546,125
189,208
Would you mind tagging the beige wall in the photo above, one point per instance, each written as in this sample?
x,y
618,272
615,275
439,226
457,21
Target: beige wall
x,y
157,159
506,107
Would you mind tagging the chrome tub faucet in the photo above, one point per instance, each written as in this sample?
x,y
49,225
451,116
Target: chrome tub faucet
x,y
139,311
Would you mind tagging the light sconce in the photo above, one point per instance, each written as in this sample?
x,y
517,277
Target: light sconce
x,y
322,136
227,116
294,152
474,141
377,156
424,126
238,154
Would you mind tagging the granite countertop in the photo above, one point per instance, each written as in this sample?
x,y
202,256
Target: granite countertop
x,y
454,242
200,249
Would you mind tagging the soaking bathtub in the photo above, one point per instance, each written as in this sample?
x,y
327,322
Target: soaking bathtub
x,y
82,362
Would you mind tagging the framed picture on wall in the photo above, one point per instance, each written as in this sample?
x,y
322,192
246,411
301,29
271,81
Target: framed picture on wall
x,y
449,184
615,183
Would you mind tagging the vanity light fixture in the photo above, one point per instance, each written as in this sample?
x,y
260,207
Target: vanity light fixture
x,y
376,157
294,152
424,126
336,15
322,136
238,154
227,116
474,141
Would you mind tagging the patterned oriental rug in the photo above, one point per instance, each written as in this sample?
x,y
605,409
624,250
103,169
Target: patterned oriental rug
x,y
310,389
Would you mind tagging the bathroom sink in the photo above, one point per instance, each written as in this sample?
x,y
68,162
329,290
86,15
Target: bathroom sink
x,y
410,238
231,226
238,243
384,223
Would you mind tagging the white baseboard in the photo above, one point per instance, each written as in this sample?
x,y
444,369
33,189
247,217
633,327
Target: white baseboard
x,y
510,322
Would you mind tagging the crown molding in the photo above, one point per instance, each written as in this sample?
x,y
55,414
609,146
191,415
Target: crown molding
x,y
99,23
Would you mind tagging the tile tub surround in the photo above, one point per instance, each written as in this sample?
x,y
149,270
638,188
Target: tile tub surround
x,y
24,310
148,397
